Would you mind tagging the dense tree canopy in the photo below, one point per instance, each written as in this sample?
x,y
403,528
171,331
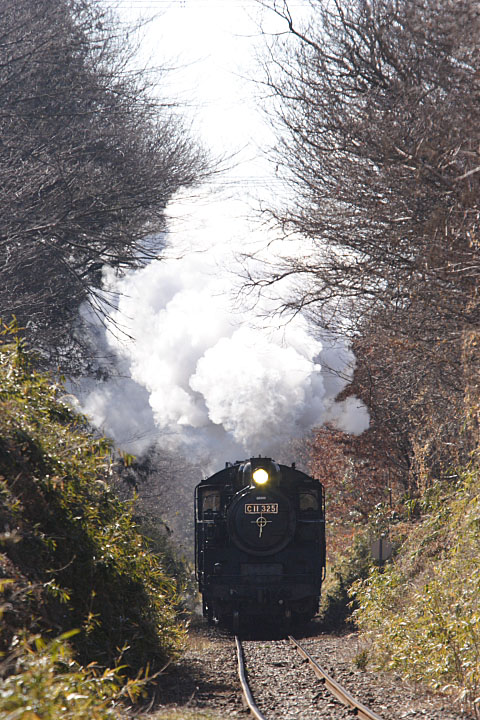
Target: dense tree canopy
x,y
376,121
88,161
375,107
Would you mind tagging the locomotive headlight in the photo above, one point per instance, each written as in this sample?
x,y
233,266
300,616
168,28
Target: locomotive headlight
x,y
260,476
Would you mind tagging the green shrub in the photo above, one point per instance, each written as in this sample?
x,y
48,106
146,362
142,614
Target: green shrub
x,y
176,565
45,682
422,615
71,556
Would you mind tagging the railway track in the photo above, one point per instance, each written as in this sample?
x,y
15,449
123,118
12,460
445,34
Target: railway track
x,y
334,688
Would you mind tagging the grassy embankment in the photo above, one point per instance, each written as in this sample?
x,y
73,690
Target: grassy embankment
x,y
419,615
86,609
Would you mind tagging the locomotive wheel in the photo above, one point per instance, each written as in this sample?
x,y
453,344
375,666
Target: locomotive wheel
x,y
236,622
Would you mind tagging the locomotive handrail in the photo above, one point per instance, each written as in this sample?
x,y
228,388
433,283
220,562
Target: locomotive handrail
x,y
307,520
195,504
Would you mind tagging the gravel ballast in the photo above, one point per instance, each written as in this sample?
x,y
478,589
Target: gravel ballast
x,y
205,683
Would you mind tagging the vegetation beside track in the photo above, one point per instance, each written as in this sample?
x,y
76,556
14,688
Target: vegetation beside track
x,y
422,613
418,613
87,609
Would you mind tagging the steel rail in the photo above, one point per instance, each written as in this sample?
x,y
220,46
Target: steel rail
x,y
337,690
243,680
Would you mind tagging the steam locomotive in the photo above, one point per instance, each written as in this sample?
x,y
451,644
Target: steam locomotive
x,y
259,543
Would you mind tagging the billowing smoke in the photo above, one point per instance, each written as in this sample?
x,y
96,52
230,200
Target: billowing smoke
x,y
197,373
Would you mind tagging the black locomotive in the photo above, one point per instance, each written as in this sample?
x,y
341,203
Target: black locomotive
x,y
259,543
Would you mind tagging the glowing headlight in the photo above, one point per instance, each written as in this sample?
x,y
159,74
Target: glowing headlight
x,y
260,476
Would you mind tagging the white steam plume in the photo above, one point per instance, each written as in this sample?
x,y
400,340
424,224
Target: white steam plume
x,y
202,377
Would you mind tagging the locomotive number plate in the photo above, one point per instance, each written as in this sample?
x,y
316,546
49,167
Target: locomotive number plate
x,y
255,509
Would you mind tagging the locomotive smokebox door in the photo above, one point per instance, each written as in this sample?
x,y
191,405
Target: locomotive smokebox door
x,y
261,522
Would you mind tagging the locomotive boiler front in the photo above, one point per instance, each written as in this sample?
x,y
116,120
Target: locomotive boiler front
x,y
261,518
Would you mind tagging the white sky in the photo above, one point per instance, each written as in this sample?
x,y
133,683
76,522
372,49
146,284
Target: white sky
x,y
213,44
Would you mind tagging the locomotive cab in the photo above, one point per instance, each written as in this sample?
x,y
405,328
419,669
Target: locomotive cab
x,y
260,542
